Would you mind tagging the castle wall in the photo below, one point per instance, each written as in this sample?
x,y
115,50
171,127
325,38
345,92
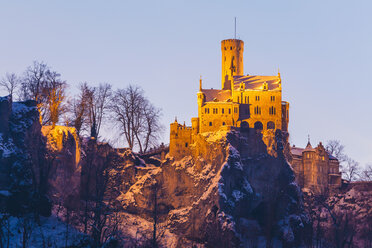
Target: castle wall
x,y
232,56
298,168
264,106
180,140
285,116
316,171
215,115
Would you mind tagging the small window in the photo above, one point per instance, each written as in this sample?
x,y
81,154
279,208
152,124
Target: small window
x,y
235,110
223,111
223,123
257,98
229,110
210,123
257,110
186,144
272,111
230,48
272,98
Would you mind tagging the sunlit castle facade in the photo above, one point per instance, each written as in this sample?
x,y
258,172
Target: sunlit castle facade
x,y
243,100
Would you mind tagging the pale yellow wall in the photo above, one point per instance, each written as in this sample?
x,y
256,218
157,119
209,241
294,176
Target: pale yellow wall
x,y
264,103
231,48
180,140
218,115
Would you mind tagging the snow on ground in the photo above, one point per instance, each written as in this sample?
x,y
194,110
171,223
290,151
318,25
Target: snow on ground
x,y
50,232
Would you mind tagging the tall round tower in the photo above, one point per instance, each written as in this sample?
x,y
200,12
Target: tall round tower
x,y
232,61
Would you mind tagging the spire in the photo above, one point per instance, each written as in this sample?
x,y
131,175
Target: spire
x,y
278,73
175,120
200,84
235,30
308,146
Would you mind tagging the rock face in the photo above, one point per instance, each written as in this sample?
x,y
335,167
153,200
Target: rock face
x,y
63,161
344,219
20,139
21,154
229,192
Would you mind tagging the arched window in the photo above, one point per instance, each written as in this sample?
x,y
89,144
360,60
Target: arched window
x,y
270,125
258,125
210,123
244,126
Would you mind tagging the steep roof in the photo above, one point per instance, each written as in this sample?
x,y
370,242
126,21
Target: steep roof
x,y
219,95
297,151
256,82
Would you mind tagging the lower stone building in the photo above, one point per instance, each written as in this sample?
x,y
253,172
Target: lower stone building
x,y
316,169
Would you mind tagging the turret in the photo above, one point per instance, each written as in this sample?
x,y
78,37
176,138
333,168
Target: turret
x,y
232,61
201,96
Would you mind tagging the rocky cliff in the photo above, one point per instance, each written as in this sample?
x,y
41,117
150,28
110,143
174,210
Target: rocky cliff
x,y
229,192
62,162
21,154
343,219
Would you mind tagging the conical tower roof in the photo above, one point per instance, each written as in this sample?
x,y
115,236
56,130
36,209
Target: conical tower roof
x,y
308,146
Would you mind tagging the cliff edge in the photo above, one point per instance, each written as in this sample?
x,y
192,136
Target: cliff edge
x,y
229,192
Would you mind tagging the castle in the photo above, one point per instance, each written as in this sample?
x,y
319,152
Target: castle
x,y
249,101
316,169
242,101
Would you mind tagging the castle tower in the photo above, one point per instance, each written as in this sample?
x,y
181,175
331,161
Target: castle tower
x,y
232,61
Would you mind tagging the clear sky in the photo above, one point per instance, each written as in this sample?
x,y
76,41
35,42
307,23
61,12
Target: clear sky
x,y
323,49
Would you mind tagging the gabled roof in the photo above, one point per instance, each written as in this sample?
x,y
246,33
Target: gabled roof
x,y
297,151
256,82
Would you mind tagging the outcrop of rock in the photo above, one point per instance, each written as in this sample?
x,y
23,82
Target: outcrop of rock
x,y
344,219
21,153
229,192
63,162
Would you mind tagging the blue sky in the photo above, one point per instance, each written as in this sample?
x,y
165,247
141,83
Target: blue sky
x,y
323,50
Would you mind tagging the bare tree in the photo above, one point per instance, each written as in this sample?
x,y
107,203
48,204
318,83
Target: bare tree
x,y
98,102
336,149
152,127
55,95
137,118
78,109
366,174
34,81
45,87
10,83
350,170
